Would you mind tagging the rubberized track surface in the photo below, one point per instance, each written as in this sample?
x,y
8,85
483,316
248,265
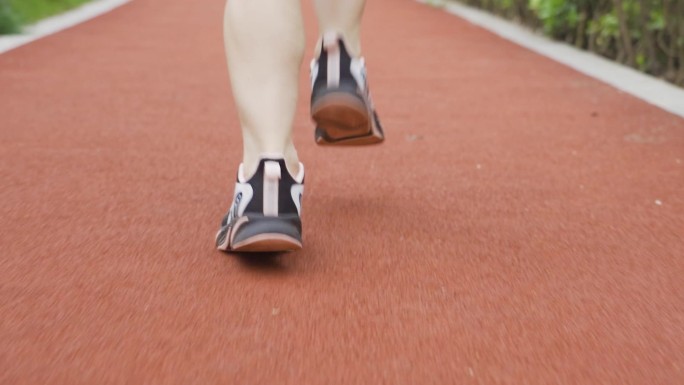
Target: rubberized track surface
x,y
522,224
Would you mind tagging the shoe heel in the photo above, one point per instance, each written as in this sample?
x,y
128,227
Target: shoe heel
x,y
341,115
268,234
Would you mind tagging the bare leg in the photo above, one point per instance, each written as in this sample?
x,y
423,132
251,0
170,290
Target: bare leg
x,y
344,17
264,44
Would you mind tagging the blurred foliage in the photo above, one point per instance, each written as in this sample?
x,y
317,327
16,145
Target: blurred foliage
x,y
14,13
645,34
9,22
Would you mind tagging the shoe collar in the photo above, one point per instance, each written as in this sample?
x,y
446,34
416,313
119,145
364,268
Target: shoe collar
x,y
299,178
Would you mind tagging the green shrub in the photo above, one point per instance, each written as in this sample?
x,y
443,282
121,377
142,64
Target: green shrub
x,y
558,17
645,34
15,13
30,11
9,22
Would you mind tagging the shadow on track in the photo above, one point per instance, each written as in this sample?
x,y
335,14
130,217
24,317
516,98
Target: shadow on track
x,y
262,262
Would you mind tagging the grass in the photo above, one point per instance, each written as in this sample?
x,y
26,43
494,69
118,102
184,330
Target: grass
x,y
30,11
15,13
9,21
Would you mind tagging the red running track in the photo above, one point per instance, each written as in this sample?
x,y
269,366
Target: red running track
x,y
522,224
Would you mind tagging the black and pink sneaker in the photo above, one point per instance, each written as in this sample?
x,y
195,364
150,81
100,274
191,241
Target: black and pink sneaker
x,y
265,214
341,105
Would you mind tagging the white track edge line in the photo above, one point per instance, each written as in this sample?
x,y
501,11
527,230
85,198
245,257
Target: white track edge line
x,y
647,88
54,24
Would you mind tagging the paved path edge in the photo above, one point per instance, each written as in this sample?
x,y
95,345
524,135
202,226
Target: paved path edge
x,y
57,23
647,88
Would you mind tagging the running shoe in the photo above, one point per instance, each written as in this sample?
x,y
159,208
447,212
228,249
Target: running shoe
x,y
265,215
341,105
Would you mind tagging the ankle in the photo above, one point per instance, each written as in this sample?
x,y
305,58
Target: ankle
x,y
351,42
251,160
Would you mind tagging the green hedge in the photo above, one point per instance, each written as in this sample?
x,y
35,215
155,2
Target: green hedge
x,y
645,34
9,21
15,13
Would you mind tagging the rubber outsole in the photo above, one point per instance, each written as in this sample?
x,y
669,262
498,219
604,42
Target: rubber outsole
x,y
344,119
341,115
257,233
270,242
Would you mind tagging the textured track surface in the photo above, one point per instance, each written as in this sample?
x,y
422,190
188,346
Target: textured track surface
x,y
521,225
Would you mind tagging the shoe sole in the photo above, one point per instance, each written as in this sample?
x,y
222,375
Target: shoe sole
x,y
341,115
272,242
343,119
261,234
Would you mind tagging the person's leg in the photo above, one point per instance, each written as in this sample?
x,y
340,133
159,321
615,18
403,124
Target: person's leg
x,y
264,45
264,42
343,17
341,105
